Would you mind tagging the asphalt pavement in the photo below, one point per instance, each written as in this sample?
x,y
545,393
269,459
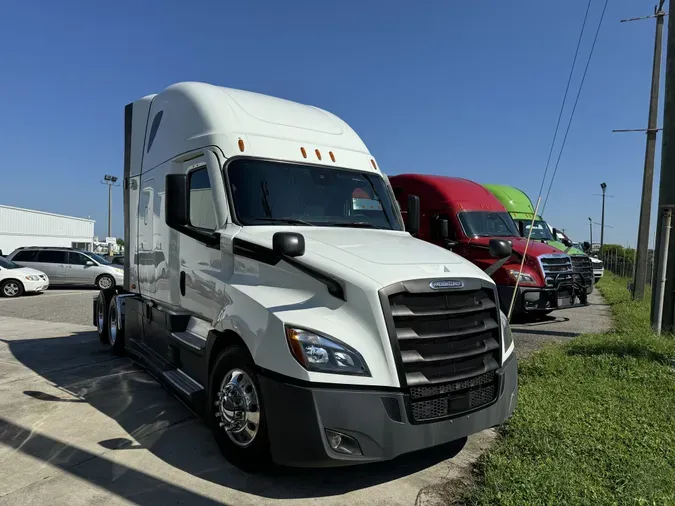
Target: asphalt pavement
x,y
80,426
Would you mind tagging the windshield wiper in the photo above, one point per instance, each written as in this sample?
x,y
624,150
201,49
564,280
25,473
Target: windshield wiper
x,y
290,221
354,224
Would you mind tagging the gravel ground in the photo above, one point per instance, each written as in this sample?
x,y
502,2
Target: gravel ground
x,y
562,325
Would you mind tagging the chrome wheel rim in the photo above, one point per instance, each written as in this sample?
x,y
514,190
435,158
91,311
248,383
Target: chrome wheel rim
x,y
101,315
238,407
105,282
112,324
11,289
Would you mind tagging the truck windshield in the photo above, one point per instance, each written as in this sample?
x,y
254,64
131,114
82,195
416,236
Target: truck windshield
x,y
270,193
7,264
487,224
540,230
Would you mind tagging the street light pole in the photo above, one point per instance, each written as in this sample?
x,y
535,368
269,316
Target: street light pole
x,y
590,226
110,181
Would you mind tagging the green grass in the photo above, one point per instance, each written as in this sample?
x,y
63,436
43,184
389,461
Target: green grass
x,y
595,422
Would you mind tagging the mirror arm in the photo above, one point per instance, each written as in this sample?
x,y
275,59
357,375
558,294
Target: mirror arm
x,y
496,266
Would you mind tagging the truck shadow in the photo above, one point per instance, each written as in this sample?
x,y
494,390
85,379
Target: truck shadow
x,y
151,419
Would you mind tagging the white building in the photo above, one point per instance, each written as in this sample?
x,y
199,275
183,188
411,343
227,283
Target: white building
x,y
26,227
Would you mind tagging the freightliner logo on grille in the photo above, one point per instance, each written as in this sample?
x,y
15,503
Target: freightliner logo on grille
x,y
444,284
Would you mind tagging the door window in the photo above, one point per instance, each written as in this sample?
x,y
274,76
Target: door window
x,y
25,256
202,208
75,258
51,257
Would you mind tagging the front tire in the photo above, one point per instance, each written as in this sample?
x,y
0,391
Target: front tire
x,y
236,411
11,288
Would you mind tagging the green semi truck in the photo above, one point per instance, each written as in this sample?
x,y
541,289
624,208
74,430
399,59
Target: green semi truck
x,y
520,207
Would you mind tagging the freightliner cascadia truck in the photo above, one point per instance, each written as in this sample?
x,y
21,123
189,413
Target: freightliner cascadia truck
x,y
520,207
270,283
463,216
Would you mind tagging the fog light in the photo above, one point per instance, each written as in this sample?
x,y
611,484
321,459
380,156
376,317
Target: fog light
x,y
342,443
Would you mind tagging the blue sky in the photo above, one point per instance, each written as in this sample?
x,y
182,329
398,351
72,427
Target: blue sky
x,y
465,89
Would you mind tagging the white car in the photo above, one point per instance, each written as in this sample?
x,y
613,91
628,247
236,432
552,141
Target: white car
x,y
16,280
598,268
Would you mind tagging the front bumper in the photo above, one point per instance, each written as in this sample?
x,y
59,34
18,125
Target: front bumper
x,y
35,286
532,299
297,417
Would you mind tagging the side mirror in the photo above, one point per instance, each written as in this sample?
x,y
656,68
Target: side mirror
x,y
288,244
499,248
176,202
521,228
89,263
587,246
413,219
440,228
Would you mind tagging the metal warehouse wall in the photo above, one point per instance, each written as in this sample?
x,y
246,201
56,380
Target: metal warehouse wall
x,y
25,227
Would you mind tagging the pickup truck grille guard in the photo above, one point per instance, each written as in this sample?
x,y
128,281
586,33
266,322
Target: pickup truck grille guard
x,y
447,345
561,280
582,264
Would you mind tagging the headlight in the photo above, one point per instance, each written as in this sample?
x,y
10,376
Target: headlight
x,y
506,332
525,279
319,353
33,278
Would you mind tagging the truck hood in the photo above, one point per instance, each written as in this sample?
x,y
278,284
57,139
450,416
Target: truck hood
x,y
535,248
385,256
560,246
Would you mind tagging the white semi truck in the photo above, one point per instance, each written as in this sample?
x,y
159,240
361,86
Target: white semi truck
x,y
271,284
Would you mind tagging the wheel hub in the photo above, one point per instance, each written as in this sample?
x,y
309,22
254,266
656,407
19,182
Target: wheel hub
x,y
112,318
11,289
237,407
101,314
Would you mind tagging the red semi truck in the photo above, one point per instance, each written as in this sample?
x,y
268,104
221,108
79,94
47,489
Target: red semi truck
x,y
463,216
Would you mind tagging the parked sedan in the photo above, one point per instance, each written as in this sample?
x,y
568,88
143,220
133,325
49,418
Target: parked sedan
x,y
16,280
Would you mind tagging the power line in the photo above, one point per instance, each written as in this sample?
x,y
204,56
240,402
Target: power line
x,y
567,89
576,101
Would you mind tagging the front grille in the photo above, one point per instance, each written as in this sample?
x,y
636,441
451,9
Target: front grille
x,y
598,265
557,269
582,264
448,347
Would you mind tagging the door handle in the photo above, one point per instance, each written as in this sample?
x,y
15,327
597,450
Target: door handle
x,y
181,283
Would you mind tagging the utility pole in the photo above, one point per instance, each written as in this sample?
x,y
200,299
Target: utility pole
x,y
602,221
664,251
110,181
642,249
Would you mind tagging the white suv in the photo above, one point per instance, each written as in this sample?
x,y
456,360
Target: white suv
x,y
16,280
67,266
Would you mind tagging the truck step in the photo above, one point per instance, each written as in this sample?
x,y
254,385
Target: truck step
x,y
183,383
190,341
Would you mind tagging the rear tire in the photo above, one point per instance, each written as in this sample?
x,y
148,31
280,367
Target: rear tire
x,y
102,304
11,288
115,328
235,400
105,282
